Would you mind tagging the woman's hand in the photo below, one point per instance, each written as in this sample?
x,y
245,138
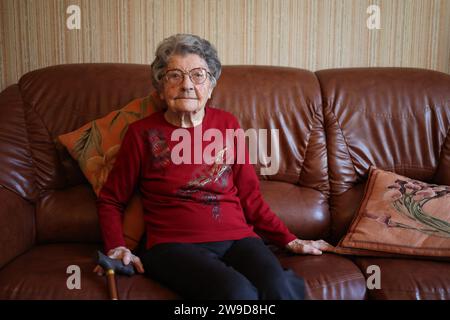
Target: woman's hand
x,y
309,246
126,256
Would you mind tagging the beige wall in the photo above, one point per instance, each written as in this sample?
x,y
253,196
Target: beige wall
x,y
310,34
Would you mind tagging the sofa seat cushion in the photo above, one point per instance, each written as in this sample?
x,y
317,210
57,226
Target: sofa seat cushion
x,y
40,273
409,278
327,277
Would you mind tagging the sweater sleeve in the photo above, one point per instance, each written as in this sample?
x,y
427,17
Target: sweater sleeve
x,y
257,212
118,189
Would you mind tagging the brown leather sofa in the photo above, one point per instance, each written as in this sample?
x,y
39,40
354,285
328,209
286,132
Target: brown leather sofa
x,y
333,125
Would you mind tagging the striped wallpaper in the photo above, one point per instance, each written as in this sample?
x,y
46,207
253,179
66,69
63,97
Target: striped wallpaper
x,y
310,34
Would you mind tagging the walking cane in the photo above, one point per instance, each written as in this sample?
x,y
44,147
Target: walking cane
x,y
111,267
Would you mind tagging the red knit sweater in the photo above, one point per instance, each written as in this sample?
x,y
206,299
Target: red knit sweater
x,y
185,202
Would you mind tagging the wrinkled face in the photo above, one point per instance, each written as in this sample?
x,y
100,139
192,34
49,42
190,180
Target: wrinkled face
x,y
186,96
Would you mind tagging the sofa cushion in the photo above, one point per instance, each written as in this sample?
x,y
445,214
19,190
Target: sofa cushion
x,y
50,262
56,100
41,273
62,98
96,143
401,215
408,278
304,210
67,215
342,281
288,100
95,146
397,119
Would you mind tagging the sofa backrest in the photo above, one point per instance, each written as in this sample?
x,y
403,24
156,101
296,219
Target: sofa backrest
x,y
289,100
59,99
397,119
333,124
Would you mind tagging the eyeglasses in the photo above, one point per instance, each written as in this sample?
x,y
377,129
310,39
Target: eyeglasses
x,y
176,76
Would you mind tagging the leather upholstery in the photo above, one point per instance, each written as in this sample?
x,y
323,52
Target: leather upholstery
x,y
343,280
333,124
396,119
17,233
17,172
53,105
67,215
290,102
42,274
409,279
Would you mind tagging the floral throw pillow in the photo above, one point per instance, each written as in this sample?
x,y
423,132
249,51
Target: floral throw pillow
x,y
400,216
95,146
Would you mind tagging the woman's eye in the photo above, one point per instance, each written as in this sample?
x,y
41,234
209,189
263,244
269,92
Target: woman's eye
x,y
174,76
198,76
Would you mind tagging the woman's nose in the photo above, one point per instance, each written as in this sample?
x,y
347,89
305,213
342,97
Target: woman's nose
x,y
187,83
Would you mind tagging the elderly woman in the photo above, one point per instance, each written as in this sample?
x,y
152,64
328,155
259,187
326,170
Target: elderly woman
x,y
204,222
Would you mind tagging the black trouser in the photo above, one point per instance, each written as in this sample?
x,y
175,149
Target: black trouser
x,y
237,269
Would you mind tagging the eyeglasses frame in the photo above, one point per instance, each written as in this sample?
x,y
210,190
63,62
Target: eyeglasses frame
x,y
164,76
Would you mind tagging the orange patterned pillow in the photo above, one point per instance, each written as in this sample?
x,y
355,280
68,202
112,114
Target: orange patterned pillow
x,y
95,146
400,216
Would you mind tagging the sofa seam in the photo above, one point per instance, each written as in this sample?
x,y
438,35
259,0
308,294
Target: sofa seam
x,y
47,131
441,149
33,163
344,138
304,157
16,193
341,280
316,120
322,109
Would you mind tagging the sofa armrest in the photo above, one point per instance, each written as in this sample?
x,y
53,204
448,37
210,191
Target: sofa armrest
x,y
17,232
18,173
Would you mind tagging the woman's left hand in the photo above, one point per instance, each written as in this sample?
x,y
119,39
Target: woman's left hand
x,y
309,246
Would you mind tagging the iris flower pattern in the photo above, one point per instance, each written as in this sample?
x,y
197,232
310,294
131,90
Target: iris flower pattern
x,y
408,197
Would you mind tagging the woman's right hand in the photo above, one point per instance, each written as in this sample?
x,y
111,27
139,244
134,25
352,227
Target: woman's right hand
x,y
299,246
126,256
